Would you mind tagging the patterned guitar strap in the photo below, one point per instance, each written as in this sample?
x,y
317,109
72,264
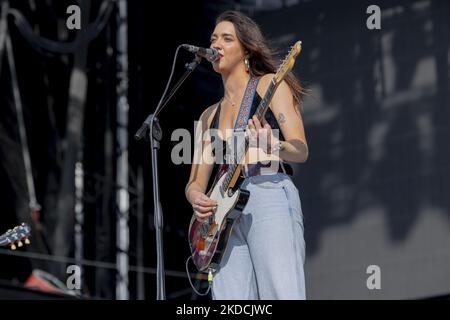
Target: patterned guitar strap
x,y
246,105
245,108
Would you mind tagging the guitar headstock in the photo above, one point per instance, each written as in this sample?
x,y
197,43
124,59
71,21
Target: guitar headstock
x,y
14,237
288,62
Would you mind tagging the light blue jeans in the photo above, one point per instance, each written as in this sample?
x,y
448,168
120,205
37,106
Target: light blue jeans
x,y
266,249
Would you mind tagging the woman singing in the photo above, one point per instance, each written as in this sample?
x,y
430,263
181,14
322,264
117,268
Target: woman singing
x,y
265,254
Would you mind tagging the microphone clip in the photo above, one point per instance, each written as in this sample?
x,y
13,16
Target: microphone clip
x,y
194,63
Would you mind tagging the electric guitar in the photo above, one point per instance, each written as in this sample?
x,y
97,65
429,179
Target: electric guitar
x,y
208,240
14,237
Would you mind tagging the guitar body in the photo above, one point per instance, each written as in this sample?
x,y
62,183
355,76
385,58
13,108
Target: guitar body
x,y
208,240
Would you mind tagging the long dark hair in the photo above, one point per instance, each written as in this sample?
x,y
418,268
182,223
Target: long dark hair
x,y
261,55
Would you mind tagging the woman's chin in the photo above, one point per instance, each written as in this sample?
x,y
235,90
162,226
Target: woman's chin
x,y
218,68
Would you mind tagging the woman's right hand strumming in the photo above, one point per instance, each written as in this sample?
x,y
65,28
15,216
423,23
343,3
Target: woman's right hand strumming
x,y
202,205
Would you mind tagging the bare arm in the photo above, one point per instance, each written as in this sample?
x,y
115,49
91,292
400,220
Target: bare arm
x,y
201,169
295,148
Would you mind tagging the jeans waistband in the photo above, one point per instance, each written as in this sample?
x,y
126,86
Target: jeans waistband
x,y
257,169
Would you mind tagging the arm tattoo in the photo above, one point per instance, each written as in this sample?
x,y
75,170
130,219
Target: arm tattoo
x,y
281,118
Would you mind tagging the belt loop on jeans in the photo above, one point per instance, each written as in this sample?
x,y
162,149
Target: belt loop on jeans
x,y
282,167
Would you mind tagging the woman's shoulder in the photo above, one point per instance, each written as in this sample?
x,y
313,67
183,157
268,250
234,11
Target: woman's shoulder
x,y
267,77
264,82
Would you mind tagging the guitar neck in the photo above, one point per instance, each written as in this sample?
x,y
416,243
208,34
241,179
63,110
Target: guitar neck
x,y
265,102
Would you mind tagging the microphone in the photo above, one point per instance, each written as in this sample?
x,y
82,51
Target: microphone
x,y
209,53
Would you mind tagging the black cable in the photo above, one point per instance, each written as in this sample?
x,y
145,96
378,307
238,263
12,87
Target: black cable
x,y
160,103
100,22
85,262
22,129
41,43
3,29
142,131
190,282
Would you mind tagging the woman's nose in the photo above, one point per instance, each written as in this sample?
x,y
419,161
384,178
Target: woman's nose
x,y
217,44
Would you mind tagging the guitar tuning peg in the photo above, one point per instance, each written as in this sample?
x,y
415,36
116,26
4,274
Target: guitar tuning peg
x,y
19,244
13,246
27,241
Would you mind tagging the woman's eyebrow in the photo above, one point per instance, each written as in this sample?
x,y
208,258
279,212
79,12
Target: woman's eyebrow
x,y
223,34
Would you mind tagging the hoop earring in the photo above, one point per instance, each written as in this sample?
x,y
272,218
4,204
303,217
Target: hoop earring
x,y
247,65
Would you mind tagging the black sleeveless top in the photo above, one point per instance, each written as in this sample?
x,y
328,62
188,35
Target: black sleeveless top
x,y
269,117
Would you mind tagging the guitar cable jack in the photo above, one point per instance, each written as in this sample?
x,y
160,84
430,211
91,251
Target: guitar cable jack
x,y
210,279
210,276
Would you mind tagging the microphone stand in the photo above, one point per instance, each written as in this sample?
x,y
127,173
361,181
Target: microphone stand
x,y
151,124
